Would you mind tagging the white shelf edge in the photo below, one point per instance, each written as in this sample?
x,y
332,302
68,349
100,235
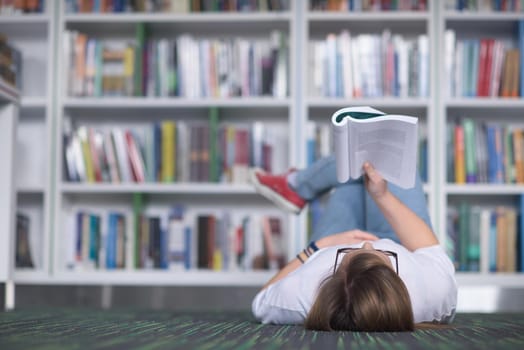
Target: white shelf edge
x,y
8,93
216,278
469,279
27,274
485,102
397,16
181,188
24,19
375,102
30,189
148,278
145,102
482,16
33,102
484,189
178,17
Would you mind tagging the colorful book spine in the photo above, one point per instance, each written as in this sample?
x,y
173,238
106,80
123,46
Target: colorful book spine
x,y
469,150
521,50
460,164
520,238
168,151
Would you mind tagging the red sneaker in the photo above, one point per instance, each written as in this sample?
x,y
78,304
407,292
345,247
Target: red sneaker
x,y
276,189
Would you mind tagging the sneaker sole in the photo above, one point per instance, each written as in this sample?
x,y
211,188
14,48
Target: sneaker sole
x,y
273,196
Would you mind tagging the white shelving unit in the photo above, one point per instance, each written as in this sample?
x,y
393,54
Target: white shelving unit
x,y
200,197
33,35
44,109
9,104
500,25
316,25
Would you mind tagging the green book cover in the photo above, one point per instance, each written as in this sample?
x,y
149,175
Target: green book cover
x,y
464,222
140,47
450,152
99,68
172,73
470,150
474,240
149,144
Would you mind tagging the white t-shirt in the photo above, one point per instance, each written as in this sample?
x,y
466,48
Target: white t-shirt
x,y
428,274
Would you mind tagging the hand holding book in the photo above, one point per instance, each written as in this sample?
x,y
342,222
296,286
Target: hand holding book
x,y
375,183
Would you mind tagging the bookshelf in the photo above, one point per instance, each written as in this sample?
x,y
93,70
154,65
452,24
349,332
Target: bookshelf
x,y
9,104
139,111
472,25
318,107
33,35
46,109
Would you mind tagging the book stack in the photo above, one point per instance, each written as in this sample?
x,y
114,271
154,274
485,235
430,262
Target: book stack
x,y
164,68
173,151
12,7
174,6
365,5
369,65
173,240
480,152
484,67
484,5
485,239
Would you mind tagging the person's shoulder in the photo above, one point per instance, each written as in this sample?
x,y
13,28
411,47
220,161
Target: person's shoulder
x,y
389,244
436,258
431,250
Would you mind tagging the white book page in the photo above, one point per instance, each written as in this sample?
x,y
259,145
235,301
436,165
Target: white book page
x,y
389,143
390,146
341,140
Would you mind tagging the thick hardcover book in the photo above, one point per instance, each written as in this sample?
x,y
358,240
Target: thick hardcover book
x,y
388,142
23,246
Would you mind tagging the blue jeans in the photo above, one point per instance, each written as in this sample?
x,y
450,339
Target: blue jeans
x,y
349,205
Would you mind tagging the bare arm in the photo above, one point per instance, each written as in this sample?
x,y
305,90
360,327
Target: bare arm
x,y
412,231
347,237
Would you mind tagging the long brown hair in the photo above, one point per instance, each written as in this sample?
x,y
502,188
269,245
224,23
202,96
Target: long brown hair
x,y
363,295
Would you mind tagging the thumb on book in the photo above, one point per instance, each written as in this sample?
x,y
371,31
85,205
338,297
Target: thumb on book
x,y
371,172
373,175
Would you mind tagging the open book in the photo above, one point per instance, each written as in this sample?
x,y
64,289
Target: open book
x,y
389,142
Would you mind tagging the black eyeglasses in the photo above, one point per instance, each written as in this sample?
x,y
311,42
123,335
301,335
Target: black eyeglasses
x,y
388,253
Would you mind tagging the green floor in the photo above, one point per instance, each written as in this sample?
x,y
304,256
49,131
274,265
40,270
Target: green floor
x,y
125,329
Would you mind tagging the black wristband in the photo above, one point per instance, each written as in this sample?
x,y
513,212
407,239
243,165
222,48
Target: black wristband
x,y
300,258
313,246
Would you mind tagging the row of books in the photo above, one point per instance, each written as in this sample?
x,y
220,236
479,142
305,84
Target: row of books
x,y
483,67
174,6
185,66
485,239
170,151
369,65
319,144
485,5
11,7
108,240
485,152
368,5
10,63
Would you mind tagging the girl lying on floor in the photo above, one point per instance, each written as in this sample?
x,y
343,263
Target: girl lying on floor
x,y
374,263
